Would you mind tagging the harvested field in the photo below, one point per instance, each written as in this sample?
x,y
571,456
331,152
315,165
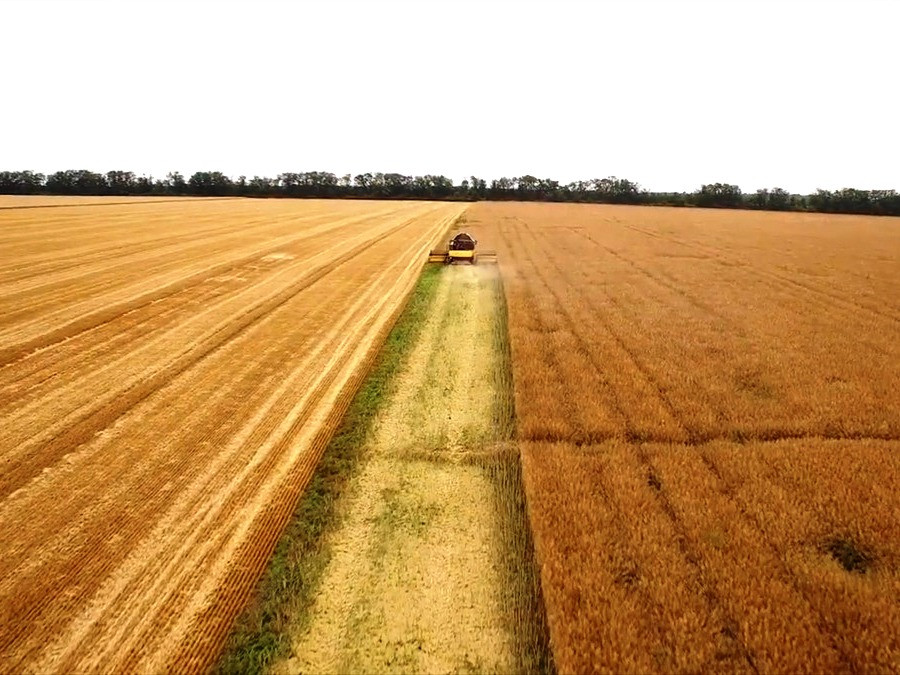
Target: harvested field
x,y
417,578
169,373
709,418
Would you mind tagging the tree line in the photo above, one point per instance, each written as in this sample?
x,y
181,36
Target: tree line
x,y
323,184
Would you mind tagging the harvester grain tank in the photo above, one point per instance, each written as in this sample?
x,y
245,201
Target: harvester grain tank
x,y
463,247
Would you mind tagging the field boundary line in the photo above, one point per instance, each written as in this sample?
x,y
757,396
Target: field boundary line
x,y
742,439
136,201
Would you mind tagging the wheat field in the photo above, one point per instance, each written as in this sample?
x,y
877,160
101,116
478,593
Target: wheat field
x,y
705,407
169,374
709,420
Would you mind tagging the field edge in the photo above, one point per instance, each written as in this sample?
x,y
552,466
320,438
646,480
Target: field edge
x,y
526,614
285,592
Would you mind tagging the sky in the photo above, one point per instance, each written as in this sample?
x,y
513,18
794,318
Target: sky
x,y
800,94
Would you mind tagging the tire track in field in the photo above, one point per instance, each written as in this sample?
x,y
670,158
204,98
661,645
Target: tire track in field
x,y
681,431
853,306
755,345
659,279
99,246
189,510
95,253
784,571
620,419
206,645
99,257
776,573
853,310
691,556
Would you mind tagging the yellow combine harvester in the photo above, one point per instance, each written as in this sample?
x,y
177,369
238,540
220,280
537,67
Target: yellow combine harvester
x,y
462,248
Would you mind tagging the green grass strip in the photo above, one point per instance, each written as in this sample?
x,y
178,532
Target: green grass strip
x,y
284,597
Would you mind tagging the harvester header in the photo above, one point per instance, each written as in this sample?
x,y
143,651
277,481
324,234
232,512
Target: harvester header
x,y
462,248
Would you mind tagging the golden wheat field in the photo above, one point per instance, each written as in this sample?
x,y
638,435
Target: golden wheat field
x,y
708,412
169,372
706,408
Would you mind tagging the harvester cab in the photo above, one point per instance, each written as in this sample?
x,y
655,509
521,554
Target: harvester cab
x,y
462,248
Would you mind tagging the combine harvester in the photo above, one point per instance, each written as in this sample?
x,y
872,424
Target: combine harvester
x,y
462,248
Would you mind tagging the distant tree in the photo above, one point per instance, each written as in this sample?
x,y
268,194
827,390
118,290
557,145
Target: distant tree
x,y
174,184
779,199
76,182
319,183
420,187
120,182
549,189
325,184
885,202
822,200
851,200
394,185
363,183
261,186
527,186
846,200
502,188
210,183
143,185
577,190
432,187
719,194
478,187
614,190
21,182
760,200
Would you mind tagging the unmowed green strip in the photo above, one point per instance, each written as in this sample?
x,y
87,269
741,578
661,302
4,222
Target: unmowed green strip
x,y
284,598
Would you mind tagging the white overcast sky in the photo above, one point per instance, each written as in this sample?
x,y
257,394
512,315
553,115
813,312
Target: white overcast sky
x,y
795,93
